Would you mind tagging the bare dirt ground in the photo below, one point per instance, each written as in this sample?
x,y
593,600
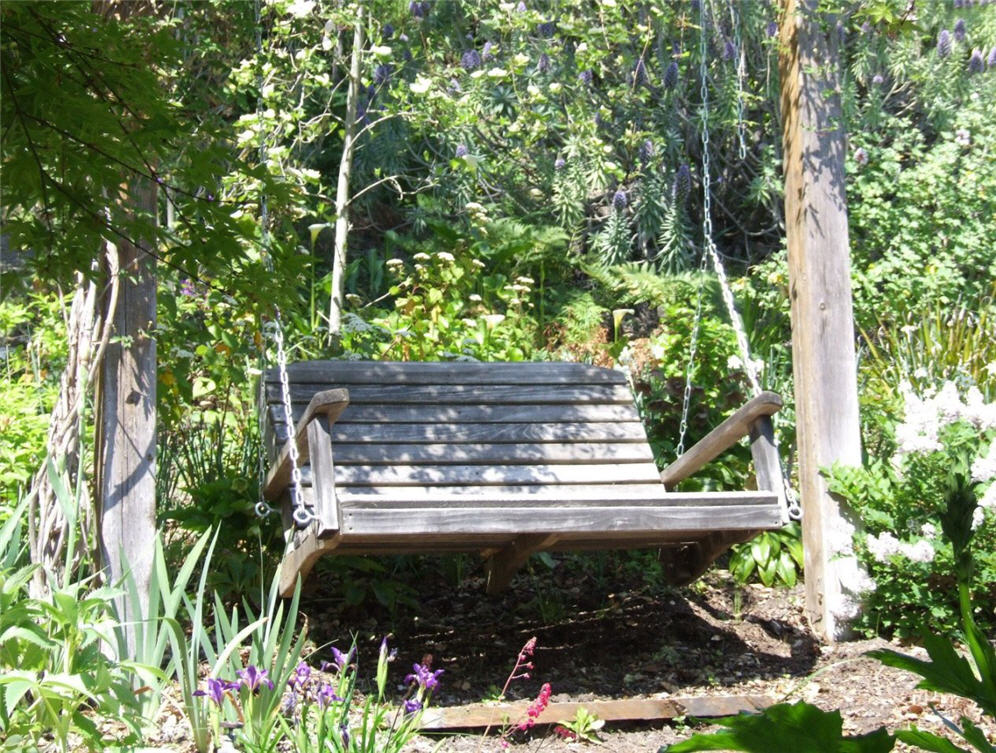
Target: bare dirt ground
x,y
612,637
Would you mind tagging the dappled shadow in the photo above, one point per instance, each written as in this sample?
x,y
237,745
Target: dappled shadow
x,y
598,635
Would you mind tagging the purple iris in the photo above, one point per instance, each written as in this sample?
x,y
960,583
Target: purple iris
x,y
300,677
339,658
326,696
253,677
216,689
412,706
424,676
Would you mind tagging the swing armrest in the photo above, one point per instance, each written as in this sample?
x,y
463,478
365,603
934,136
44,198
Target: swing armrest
x,y
745,422
331,404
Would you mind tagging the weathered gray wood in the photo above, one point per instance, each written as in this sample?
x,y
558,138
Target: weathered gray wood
x,y
502,565
326,506
684,564
501,497
608,520
823,356
623,709
463,394
126,442
329,403
764,453
381,475
509,433
720,439
365,373
299,561
493,454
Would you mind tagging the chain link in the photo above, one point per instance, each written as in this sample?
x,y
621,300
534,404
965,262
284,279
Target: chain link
x,y
302,515
738,46
791,509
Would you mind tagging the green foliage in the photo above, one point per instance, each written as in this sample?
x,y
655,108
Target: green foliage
x,y
584,726
771,557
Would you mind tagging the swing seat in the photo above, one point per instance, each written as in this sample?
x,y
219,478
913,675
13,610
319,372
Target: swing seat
x,y
504,459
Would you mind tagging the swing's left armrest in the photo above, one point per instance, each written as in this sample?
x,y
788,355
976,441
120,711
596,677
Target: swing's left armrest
x,y
330,404
753,420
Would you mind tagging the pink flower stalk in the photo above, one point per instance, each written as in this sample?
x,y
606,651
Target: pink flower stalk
x,y
537,707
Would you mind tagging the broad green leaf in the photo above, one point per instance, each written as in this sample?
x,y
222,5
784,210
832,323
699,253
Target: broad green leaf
x,y
928,741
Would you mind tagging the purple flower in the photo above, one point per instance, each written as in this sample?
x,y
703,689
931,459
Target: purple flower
x,y
381,74
344,734
944,43
521,7
682,181
253,678
547,29
861,156
486,51
877,79
543,64
415,8
646,151
729,50
771,29
639,73
461,151
959,30
991,60
388,31
300,677
341,659
866,28
326,696
187,287
424,676
470,59
975,63
585,77
412,706
559,163
216,689
671,75
620,200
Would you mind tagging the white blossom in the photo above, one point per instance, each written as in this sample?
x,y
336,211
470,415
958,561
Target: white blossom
x,y
445,256
921,551
984,468
978,515
421,256
883,546
928,530
988,499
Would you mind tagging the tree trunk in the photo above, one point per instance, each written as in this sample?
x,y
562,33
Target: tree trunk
x,y
126,423
824,364
342,189
87,334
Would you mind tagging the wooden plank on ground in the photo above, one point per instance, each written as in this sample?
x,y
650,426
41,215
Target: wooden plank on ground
x,y
625,709
462,394
395,372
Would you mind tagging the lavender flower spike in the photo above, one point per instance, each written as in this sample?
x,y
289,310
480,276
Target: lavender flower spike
x,y
975,64
959,30
620,200
944,43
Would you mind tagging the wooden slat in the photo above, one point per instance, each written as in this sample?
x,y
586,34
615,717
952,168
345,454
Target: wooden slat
x,y
630,431
378,475
492,454
428,521
396,372
462,394
623,709
652,495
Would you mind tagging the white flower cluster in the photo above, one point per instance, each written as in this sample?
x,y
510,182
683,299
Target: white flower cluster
x,y
885,545
927,415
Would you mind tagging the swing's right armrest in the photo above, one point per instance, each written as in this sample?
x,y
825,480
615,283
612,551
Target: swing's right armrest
x,y
330,404
745,422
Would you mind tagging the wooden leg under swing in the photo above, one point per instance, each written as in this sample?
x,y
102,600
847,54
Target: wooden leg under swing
x,y
504,564
299,560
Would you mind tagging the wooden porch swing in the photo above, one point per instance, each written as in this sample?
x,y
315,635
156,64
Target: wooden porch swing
x,y
504,459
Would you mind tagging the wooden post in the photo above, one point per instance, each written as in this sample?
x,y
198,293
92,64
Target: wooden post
x,y
126,421
824,363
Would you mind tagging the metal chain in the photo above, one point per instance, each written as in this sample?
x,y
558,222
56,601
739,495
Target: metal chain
x,y
693,347
791,509
738,46
302,515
